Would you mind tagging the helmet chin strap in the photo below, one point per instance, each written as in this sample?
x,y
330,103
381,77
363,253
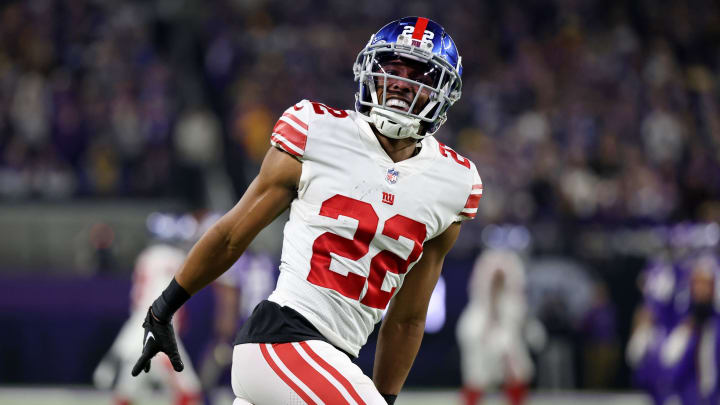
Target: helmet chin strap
x,y
394,125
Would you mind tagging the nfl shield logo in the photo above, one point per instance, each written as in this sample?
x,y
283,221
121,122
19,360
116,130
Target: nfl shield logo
x,y
392,176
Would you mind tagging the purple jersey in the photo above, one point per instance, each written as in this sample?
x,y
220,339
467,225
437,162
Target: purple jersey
x,y
690,355
690,352
665,292
648,372
254,274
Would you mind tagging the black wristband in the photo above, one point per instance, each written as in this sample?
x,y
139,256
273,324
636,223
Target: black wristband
x,y
169,301
389,398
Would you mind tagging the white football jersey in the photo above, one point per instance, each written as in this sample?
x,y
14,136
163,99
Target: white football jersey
x,y
360,220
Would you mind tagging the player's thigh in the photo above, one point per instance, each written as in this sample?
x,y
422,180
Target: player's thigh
x,y
300,372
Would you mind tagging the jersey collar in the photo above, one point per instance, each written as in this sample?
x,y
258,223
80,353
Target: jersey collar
x,y
368,137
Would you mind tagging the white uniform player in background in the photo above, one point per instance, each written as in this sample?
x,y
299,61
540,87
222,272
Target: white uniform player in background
x,y
154,268
375,205
490,330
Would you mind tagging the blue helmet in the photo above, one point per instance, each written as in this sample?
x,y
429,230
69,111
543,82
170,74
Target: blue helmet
x,y
424,44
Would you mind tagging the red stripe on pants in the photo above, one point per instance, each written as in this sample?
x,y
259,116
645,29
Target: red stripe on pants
x,y
283,376
317,383
330,369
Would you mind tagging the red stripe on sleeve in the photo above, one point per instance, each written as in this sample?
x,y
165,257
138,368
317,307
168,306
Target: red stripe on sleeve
x,y
318,384
473,201
283,376
284,146
330,369
420,26
465,214
477,187
293,136
297,120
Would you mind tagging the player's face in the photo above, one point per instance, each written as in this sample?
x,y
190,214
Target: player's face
x,y
401,93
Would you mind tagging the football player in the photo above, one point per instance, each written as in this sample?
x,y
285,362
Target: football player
x,y
491,329
154,268
653,319
691,351
375,205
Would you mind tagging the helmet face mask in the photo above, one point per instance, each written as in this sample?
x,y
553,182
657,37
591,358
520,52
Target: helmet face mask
x,y
390,71
432,73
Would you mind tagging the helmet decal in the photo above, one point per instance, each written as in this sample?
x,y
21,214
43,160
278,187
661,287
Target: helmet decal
x,y
418,31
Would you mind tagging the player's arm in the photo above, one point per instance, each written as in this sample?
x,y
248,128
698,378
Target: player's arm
x,y
267,197
404,325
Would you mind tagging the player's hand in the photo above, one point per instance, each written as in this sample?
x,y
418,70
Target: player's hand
x,y
159,337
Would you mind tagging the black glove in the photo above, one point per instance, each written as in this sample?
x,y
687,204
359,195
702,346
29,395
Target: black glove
x,y
159,334
159,337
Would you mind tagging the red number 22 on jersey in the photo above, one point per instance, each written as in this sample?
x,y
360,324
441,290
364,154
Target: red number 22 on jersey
x,y
352,285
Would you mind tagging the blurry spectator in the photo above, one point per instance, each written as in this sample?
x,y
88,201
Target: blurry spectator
x,y
643,356
691,352
197,138
29,109
559,293
653,319
198,146
601,348
491,329
663,136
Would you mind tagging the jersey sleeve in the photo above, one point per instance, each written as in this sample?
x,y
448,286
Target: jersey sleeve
x,y
291,130
473,199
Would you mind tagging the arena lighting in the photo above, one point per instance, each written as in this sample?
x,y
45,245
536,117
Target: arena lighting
x,y
170,227
692,235
506,236
161,226
186,226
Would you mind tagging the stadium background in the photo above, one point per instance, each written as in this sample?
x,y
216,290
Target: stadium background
x,y
594,125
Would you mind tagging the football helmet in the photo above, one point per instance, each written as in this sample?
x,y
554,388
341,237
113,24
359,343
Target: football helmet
x,y
436,69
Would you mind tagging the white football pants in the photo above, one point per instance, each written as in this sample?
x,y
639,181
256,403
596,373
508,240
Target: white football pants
x,y
311,372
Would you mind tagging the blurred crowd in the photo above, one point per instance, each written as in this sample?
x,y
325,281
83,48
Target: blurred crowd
x,y
573,110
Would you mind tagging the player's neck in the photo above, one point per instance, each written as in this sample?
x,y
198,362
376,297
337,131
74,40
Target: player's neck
x,y
398,149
